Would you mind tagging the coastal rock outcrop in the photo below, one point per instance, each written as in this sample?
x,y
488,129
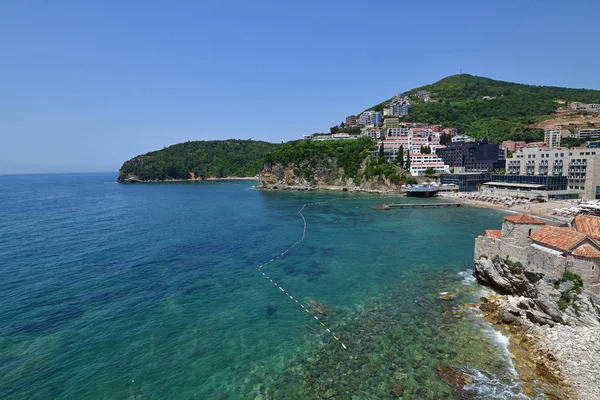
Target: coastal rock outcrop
x,y
536,297
324,175
558,316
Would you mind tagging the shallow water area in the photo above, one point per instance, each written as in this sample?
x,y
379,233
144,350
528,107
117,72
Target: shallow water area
x,y
151,291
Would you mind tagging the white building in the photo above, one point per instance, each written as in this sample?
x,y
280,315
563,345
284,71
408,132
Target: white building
x,y
586,133
461,138
579,167
420,162
552,136
373,133
333,136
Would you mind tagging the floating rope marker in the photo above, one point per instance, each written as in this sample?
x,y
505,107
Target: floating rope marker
x,y
286,251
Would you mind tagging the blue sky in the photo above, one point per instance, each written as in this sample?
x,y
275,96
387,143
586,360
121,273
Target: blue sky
x,y
85,85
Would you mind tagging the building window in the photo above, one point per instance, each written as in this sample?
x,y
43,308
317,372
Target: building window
x,y
593,267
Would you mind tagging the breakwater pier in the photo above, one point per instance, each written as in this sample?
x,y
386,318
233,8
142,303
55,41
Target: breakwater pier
x,y
417,205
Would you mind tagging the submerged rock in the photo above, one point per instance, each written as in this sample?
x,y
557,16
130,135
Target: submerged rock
x,y
448,295
456,379
319,307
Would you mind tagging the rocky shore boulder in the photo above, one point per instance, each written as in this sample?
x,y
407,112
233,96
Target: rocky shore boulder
x,y
537,298
503,276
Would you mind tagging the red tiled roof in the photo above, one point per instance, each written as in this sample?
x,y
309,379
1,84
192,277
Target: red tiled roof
x,y
588,225
494,234
560,238
587,250
523,219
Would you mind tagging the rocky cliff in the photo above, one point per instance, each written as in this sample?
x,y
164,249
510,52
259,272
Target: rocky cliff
x,y
556,317
328,175
537,297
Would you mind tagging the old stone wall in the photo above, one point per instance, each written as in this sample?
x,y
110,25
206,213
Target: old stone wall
x,y
499,247
588,270
551,262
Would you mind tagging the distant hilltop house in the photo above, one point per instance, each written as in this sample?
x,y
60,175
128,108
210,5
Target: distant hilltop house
x,y
586,133
546,248
424,95
582,107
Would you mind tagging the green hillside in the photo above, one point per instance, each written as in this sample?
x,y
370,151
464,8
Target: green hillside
x,y
217,158
309,155
458,104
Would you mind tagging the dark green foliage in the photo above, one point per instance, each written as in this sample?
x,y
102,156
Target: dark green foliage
x,y
380,167
458,103
306,154
564,301
338,129
514,267
203,158
430,172
576,279
445,140
572,142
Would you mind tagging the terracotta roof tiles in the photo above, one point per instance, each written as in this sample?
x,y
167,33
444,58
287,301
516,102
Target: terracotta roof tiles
x,y
588,251
524,219
494,234
588,225
560,238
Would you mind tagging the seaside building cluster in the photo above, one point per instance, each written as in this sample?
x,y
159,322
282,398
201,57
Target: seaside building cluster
x,y
537,170
550,249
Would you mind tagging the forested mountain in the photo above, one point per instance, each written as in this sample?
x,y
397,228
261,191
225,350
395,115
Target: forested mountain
x,y
474,105
458,102
201,159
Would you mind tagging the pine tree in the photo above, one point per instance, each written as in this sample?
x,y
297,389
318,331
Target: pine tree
x,y
407,167
381,154
400,158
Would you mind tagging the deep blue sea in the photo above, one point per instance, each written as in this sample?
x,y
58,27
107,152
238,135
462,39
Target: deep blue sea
x,y
149,291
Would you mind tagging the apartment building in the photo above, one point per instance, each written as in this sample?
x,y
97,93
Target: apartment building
x,y
558,173
370,118
582,107
410,140
351,121
552,136
373,133
389,123
400,107
473,157
586,133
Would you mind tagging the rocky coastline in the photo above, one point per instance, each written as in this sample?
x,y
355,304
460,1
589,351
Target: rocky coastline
x,y
128,178
556,322
328,176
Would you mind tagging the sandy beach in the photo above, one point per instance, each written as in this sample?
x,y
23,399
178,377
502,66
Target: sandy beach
x,y
541,210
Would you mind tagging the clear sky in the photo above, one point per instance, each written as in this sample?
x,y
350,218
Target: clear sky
x,y
85,85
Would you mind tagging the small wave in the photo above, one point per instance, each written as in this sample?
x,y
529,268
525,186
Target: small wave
x,y
501,341
467,277
486,386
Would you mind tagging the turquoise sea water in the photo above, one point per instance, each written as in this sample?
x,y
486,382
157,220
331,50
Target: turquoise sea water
x,y
112,291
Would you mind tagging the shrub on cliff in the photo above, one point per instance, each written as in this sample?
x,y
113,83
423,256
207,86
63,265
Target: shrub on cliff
x,y
216,158
348,153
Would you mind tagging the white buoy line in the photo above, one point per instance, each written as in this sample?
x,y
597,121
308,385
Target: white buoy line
x,y
272,260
